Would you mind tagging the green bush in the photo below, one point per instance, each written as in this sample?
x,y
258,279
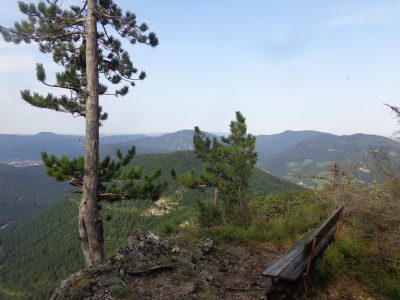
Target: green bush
x,y
281,219
168,228
209,215
343,253
277,205
121,292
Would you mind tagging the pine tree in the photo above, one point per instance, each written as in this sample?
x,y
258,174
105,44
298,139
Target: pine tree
x,y
212,153
80,43
227,166
241,159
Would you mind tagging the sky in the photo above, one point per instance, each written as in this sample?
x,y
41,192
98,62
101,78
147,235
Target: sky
x,y
315,65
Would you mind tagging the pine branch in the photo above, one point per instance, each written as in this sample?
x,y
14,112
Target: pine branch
x,y
43,37
60,36
74,21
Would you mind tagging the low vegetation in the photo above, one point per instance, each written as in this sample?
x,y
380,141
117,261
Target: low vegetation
x,y
367,258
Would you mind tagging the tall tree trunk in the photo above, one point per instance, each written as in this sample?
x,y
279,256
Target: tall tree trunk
x,y
241,195
216,193
90,223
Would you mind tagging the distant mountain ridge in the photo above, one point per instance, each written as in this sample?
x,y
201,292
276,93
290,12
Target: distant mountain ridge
x,y
25,147
28,147
275,143
269,145
288,154
170,142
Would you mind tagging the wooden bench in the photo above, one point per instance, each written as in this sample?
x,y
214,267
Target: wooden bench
x,y
296,263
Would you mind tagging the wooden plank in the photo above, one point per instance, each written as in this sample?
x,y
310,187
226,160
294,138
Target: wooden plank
x,y
287,258
285,274
295,270
323,230
291,264
277,267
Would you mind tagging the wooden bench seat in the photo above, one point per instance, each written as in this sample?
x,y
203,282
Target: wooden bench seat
x,y
296,262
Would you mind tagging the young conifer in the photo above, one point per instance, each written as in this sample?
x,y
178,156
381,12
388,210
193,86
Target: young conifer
x,y
241,160
81,41
213,154
227,166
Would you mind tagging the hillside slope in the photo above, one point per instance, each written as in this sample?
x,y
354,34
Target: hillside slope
x,y
269,145
25,191
51,235
314,156
170,142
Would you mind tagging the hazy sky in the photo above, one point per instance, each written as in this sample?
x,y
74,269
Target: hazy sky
x,y
322,65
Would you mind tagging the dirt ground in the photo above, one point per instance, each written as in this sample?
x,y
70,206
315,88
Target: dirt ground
x,y
186,268
233,273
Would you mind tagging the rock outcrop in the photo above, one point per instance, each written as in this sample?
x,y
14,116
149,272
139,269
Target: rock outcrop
x,y
181,267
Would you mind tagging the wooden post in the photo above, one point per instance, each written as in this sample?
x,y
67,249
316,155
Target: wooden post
x,y
306,275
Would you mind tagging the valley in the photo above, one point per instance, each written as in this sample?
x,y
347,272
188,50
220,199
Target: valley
x,y
296,156
288,154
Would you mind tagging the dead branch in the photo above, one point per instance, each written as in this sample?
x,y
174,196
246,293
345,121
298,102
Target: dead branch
x,y
152,270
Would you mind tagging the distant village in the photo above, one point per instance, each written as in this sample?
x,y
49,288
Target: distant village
x,y
22,163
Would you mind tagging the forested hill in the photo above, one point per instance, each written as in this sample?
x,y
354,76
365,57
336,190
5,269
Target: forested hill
x,y
268,145
294,155
51,235
313,156
183,161
275,151
27,190
24,191
289,154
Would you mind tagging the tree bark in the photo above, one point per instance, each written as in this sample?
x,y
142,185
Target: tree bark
x,y
216,192
90,223
216,196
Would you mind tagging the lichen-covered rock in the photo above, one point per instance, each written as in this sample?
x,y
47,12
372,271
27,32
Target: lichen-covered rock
x,y
200,270
206,246
175,250
60,292
144,247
